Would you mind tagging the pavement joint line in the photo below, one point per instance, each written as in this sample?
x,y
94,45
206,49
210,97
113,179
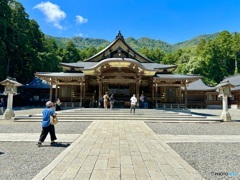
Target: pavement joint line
x,y
199,138
130,133
33,137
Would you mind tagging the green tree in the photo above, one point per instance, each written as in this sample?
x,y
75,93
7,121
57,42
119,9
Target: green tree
x,y
236,51
5,42
70,54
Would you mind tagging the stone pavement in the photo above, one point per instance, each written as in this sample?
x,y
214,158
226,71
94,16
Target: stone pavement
x,y
118,150
115,149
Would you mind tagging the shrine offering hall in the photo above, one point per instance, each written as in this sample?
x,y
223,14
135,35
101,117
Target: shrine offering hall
x,y
120,70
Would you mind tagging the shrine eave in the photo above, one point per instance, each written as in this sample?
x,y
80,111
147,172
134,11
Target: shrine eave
x,y
92,65
176,77
56,76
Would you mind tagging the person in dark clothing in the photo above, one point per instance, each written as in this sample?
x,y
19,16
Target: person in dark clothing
x,y
112,99
145,102
58,105
1,106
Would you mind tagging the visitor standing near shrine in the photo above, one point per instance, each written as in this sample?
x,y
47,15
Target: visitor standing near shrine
x,y
105,100
1,106
58,105
145,102
133,103
141,101
112,99
47,127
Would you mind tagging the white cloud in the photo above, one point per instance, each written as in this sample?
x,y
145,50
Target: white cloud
x,y
81,20
53,13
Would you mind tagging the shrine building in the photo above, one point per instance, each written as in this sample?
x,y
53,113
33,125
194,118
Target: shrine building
x,y
121,70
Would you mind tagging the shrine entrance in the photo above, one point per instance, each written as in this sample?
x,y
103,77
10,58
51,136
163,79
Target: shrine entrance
x,y
122,93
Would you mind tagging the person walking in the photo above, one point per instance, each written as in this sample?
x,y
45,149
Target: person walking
x,y
1,106
112,99
47,127
105,100
133,103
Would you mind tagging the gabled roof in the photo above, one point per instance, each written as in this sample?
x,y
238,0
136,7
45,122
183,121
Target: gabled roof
x,y
234,80
119,46
10,81
199,85
177,77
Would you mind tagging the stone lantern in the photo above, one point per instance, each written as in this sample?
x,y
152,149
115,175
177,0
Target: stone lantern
x,y
10,89
225,92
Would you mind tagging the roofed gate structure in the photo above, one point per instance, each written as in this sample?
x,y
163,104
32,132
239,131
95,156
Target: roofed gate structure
x,y
119,69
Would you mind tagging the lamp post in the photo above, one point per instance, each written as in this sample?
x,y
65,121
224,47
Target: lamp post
x,y
225,92
10,89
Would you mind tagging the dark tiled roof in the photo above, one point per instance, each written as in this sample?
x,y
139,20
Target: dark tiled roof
x,y
37,84
199,85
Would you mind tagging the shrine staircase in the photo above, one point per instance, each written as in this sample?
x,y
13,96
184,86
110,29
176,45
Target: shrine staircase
x,y
149,115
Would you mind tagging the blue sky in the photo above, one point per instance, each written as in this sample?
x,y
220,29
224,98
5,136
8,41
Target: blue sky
x,y
172,21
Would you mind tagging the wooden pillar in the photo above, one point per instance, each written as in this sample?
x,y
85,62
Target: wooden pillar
x,y
56,92
100,94
186,98
153,98
84,90
137,89
71,93
50,95
156,90
81,94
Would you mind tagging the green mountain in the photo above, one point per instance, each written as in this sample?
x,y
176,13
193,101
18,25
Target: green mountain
x,y
193,42
137,44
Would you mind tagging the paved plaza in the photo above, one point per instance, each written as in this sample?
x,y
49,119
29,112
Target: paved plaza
x,y
121,149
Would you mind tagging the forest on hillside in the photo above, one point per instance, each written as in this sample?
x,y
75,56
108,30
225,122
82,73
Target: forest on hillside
x,y
25,49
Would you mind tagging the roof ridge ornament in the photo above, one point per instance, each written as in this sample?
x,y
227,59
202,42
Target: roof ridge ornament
x,y
119,35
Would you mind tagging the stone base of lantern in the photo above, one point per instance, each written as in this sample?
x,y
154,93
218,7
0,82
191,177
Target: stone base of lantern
x,y
225,116
8,114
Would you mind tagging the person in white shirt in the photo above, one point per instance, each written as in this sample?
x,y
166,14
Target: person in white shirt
x,y
133,103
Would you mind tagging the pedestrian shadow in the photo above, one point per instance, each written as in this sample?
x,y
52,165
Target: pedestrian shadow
x,y
1,153
59,144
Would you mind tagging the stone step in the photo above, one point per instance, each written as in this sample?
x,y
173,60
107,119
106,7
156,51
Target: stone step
x,y
121,115
86,114
130,117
